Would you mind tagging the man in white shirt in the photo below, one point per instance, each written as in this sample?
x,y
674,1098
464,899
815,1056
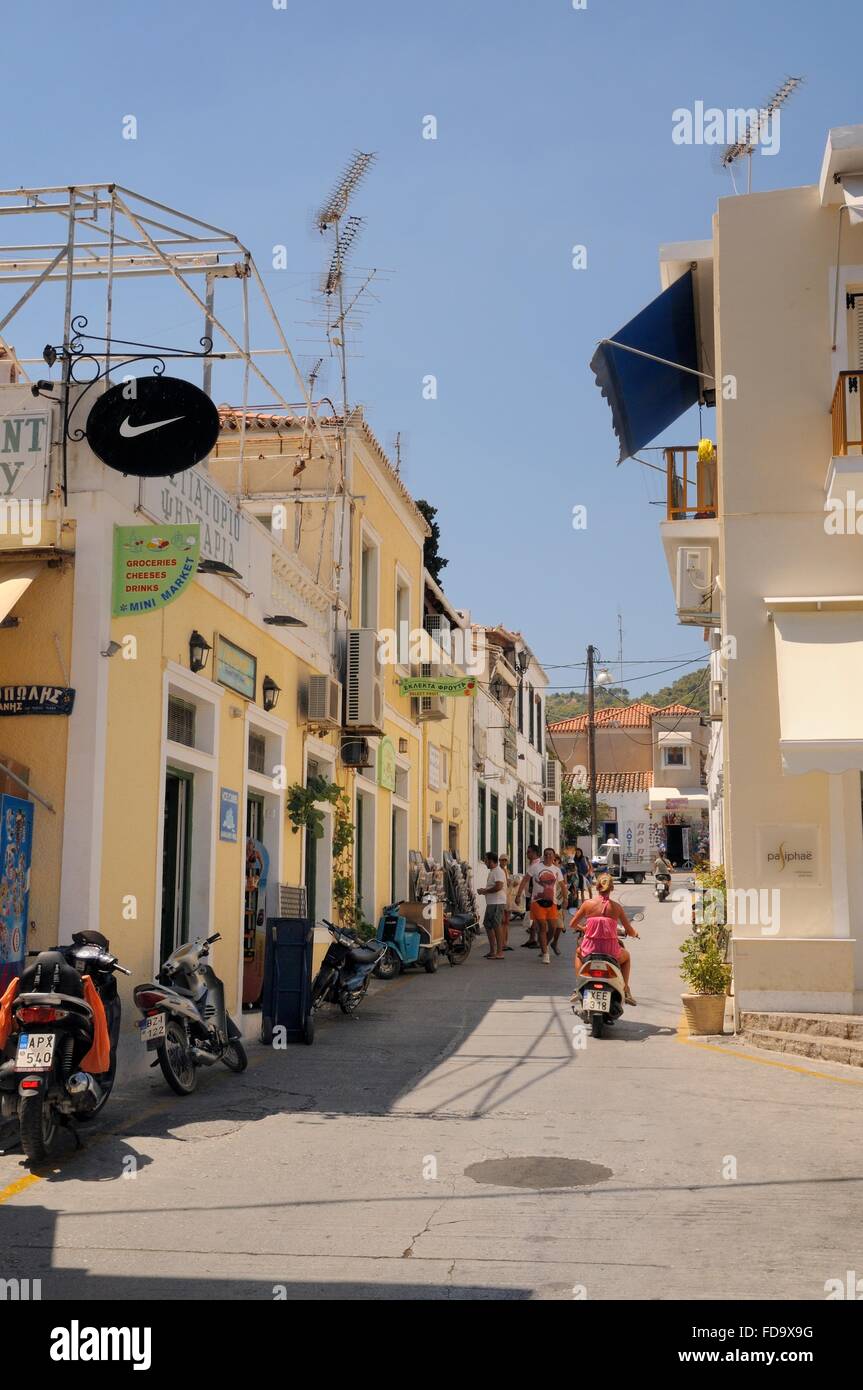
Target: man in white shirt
x,y
494,893
544,876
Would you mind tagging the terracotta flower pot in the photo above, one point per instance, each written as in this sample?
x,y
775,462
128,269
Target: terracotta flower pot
x,y
705,1013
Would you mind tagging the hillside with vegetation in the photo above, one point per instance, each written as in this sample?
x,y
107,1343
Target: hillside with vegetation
x,y
690,689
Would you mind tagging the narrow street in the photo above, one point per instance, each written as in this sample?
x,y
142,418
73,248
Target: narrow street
x,y
453,1143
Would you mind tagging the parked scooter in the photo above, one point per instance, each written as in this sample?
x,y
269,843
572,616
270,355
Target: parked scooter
x,y
42,1081
458,936
599,988
185,1021
662,886
405,944
344,974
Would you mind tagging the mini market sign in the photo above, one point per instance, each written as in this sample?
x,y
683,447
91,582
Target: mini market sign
x,y
152,566
437,685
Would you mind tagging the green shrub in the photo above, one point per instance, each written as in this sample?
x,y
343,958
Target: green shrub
x,y
704,967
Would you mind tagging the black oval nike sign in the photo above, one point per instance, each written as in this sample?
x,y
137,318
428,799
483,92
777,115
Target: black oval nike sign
x,y
153,426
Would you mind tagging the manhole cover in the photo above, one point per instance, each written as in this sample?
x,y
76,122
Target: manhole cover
x,y
538,1172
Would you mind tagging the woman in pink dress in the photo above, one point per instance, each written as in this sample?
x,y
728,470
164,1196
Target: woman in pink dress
x,y
598,919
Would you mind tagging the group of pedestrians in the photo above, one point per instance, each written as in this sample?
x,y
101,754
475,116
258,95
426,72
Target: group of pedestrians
x,y
550,890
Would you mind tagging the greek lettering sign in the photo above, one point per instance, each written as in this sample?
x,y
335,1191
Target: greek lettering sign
x,y
25,439
437,685
36,699
236,669
152,566
191,497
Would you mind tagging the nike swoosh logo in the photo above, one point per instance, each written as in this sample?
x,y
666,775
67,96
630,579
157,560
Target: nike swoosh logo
x,y
130,431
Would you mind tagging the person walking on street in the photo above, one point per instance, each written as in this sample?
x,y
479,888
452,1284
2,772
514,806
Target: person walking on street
x,y
494,893
544,876
507,911
525,890
584,873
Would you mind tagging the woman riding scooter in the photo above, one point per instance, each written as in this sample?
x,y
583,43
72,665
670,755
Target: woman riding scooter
x,y
597,919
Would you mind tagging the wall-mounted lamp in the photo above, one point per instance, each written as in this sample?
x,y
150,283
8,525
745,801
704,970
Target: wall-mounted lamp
x,y
403,745
199,650
112,649
271,693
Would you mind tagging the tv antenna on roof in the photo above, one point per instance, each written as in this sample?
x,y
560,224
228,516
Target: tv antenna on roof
x,y
755,124
333,218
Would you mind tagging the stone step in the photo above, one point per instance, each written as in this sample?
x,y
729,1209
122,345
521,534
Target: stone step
x,y
824,1047
848,1027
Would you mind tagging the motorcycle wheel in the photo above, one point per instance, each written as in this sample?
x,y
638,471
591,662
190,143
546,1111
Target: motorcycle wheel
x,y
176,1061
596,1022
234,1056
349,1002
320,985
460,953
388,967
430,962
38,1128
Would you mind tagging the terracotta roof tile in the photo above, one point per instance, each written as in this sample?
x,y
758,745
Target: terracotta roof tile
x,y
637,716
609,783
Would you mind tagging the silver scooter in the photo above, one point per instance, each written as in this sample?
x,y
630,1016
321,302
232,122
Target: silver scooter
x,y
185,1021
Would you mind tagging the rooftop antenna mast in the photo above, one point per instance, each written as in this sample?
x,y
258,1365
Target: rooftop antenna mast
x,y
333,218
745,146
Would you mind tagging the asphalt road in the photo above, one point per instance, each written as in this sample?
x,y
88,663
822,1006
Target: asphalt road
x,y
456,1142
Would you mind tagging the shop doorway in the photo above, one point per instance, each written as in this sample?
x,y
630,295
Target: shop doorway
x,y
176,846
254,907
677,845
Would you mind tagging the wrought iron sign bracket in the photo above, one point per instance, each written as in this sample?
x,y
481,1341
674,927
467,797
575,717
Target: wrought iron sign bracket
x,y
74,354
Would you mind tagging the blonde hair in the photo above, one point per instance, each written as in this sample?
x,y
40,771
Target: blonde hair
x,y
605,883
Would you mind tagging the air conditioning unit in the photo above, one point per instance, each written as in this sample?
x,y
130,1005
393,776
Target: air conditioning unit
x,y
551,779
716,699
364,689
430,707
324,702
694,588
356,752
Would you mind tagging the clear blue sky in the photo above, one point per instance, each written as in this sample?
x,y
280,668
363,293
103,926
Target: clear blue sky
x,y
554,128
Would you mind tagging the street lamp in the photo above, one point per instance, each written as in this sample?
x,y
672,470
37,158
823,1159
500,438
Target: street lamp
x,y
271,693
199,650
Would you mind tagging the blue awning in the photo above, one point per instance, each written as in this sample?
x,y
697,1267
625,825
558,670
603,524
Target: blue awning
x,y
645,395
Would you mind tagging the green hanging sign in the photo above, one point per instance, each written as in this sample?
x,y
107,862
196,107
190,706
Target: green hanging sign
x,y
387,765
152,566
437,685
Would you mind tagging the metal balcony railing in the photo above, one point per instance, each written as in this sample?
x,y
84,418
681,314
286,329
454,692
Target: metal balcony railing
x,y
847,414
691,484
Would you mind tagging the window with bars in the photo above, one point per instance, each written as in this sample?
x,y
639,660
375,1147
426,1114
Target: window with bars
x,y
257,752
181,721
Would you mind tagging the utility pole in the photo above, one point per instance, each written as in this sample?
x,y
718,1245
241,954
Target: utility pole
x,y
591,749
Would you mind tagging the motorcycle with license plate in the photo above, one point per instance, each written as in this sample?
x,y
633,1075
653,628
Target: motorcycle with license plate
x,y
599,989
64,1012
185,1021
345,969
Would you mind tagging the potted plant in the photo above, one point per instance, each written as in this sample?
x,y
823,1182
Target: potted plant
x,y
708,975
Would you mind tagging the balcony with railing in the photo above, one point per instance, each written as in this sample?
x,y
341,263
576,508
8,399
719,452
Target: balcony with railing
x,y
691,483
846,413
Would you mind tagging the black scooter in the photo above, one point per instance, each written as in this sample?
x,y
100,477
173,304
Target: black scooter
x,y
662,886
345,970
52,1030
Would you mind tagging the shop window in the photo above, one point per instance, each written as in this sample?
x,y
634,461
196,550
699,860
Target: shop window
x,y
181,721
257,752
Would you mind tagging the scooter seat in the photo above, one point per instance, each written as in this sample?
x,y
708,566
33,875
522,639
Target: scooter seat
x,y
601,955
460,919
363,955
